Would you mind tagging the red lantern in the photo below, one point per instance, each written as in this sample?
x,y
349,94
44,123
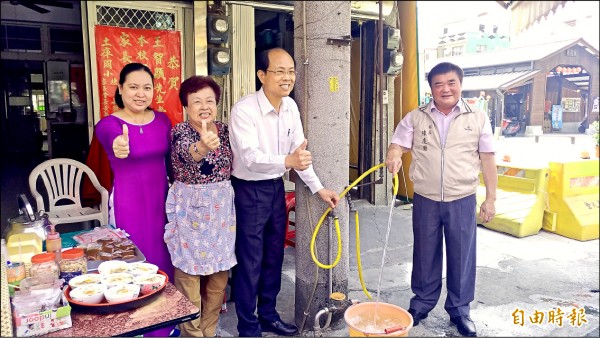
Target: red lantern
x,y
578,70
559,69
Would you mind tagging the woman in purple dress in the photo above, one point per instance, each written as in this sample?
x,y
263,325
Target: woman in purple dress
x,y
137,141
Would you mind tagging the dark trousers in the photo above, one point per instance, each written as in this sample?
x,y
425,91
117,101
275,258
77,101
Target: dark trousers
x,y
455,223
260,235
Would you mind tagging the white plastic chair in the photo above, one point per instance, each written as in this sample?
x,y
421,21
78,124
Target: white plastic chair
x,y
62,179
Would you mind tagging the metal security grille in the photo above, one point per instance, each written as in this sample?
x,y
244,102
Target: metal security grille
x,y
134,18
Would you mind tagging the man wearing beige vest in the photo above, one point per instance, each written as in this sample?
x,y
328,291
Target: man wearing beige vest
x,y
450,144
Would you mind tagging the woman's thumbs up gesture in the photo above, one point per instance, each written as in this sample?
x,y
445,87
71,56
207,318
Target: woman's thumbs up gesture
x,y
209,139
121,144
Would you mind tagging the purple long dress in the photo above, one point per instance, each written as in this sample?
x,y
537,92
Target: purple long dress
x,y
140,183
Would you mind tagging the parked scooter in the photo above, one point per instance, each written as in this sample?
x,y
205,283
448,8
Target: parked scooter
x,y
510,127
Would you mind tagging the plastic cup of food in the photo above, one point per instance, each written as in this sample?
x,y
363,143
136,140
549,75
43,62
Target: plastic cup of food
x,y
89,294
149,283
117,279
122,293
86,279
109,267
142,268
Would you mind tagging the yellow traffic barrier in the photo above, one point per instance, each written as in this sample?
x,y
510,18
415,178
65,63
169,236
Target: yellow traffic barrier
x,y
573,199
521,199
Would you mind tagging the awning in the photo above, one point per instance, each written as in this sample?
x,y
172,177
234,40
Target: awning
x,y
525,13
503,81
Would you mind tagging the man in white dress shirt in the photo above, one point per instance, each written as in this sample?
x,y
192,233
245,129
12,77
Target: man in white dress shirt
x,y
267,140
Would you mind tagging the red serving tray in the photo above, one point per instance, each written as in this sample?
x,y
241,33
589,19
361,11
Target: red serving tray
x,y
108,308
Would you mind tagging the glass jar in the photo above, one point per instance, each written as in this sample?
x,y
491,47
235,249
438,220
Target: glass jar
x,y
72,264
44,266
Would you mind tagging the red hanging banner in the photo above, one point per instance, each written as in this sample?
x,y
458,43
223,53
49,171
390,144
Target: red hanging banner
x,y
157,49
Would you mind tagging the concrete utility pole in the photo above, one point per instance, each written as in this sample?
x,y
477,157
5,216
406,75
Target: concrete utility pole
x,y
322,91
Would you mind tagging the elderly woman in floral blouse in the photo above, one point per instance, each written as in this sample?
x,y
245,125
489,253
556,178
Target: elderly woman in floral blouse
x,y
200,234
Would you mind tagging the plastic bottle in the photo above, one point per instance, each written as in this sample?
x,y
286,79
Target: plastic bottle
x,y
54,244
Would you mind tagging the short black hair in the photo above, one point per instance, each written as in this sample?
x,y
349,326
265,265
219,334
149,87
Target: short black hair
x,y
129,68
263,58
196,83
443,68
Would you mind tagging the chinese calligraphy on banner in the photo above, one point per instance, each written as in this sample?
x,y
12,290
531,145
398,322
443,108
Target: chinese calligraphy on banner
x,y
157,49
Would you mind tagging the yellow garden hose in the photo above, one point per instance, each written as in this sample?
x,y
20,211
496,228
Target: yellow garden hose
x,y
338,233
358,263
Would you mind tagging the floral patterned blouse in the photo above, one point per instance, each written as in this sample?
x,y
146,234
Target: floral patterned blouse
x,y
214,167
200,233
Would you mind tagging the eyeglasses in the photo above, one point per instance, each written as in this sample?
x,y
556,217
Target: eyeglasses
x,y
281,73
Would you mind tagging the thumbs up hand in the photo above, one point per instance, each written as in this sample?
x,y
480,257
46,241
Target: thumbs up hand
x,y
208,140
300,159
121,144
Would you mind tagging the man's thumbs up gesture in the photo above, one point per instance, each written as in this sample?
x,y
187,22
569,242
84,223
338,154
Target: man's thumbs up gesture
x,y
121,144
300,159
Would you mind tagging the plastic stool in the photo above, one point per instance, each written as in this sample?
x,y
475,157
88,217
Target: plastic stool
x,y
290,205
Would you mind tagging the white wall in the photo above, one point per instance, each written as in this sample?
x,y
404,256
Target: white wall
x,y
433,16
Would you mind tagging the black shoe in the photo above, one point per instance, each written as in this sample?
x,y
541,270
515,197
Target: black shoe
x,y
279,327
465,326
417,316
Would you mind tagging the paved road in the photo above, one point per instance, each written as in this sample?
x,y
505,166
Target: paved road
x,y
539,273
536,274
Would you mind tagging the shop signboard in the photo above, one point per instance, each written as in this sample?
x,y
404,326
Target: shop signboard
x,y
570,104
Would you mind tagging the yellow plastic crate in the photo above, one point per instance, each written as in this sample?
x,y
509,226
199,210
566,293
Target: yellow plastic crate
x,y
521,199
573,199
